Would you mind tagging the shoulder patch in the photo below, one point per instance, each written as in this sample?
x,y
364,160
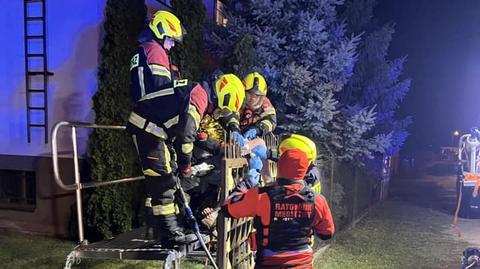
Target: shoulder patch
x,y
134,61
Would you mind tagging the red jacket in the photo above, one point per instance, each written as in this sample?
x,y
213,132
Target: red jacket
x,y
256,203
150,70
264,119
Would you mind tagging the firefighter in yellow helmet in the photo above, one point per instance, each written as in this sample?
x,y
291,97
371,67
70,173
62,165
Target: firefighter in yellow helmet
x,y
164,126
257,116
306,145
150,67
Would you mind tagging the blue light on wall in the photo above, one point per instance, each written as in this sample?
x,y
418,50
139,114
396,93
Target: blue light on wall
x,y
73,38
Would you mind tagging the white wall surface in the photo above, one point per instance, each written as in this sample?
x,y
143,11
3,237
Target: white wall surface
x,y
74,30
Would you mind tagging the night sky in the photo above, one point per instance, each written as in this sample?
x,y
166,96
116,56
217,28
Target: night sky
x,y
442,41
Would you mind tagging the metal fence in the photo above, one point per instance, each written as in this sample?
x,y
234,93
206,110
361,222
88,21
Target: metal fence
x,y
352,190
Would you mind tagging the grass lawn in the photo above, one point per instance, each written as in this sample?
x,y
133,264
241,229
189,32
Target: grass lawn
x,y
396,234
37,252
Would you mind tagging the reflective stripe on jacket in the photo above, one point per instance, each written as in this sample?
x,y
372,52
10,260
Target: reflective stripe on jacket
x,y
172,114
149,70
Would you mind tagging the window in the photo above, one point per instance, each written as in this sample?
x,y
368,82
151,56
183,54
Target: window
x,y
220,17
17,189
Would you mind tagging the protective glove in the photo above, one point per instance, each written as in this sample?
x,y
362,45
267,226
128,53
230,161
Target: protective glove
x,y
239,139
202,169
250,134
260,151
255,163
252,179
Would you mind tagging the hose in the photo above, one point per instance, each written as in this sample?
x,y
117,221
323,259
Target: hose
x,y
474,263
193,222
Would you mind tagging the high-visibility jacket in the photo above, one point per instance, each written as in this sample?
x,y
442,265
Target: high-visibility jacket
x,y
172,114
150,70
285,217
264,119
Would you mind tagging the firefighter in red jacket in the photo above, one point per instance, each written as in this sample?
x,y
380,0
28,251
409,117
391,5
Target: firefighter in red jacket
x,y
258,116
285,215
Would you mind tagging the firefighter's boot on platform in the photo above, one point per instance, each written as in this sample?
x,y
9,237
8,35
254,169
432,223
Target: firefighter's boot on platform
x,y
171,233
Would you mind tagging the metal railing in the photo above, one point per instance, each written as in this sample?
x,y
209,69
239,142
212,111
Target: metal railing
x,y
78,186
233,250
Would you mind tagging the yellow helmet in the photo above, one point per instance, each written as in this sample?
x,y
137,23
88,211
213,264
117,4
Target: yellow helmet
x,y
230,92
300,142
255,82
165,24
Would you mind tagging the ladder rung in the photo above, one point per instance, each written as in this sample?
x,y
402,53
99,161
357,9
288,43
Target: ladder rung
x,y
37,125
35,18
35,55
35,36
36,73
36,91
36,108
39,73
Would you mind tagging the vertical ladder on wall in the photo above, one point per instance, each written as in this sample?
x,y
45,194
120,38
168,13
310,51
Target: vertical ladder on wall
x,y
36,68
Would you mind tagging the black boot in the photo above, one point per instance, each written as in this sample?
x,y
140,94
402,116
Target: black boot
x,y
171,233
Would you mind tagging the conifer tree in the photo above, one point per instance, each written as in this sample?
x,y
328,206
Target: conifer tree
x,y
377,81
190,54
110,153
304,52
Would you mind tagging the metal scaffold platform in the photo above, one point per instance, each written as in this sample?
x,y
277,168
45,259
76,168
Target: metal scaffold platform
x,y
133,246
232,245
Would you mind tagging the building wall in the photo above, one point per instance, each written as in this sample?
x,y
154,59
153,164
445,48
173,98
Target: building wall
x,y
51,213
73,38
74,31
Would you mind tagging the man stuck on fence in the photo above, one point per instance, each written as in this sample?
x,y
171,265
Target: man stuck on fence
x,y
285,215
257,116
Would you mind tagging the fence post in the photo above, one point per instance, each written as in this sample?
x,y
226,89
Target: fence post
x,y
355,191
332,169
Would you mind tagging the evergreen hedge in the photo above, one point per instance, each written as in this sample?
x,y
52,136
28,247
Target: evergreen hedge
x,y
190,55
111,154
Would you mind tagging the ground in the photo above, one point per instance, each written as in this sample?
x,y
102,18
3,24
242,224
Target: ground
x,y
396,234
28,251
412,229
